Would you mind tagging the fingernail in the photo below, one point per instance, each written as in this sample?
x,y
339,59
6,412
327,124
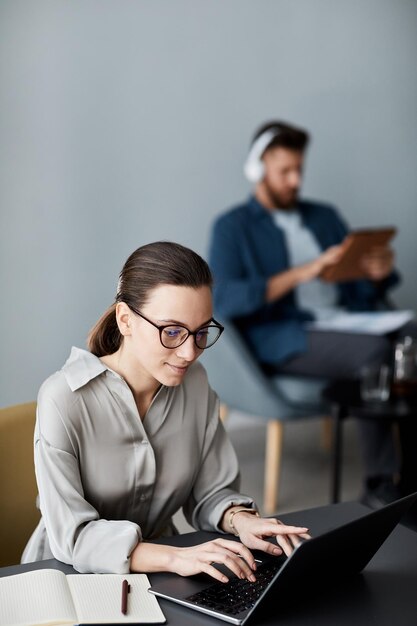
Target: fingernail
x,y
253,566
252,578
277,551
225,579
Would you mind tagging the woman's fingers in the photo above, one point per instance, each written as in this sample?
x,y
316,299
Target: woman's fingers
x,y
235,556
208,568
284,542
239,549
289,542
287,537
275,527
266,546
239,567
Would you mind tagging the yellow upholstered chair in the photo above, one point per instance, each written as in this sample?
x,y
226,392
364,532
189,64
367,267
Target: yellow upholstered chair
x,y
18,490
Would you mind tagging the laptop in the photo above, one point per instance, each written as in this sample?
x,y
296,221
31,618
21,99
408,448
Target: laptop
x,y
329,557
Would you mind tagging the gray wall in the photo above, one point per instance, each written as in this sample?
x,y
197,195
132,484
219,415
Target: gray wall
x,y
127,121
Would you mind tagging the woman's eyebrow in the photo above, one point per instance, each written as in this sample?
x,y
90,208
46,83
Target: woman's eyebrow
x,y
182,323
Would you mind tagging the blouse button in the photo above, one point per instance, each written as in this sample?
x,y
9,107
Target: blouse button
x,y
143,496
144,442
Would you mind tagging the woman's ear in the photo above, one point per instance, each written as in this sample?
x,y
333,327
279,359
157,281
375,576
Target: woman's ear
x,y
123,316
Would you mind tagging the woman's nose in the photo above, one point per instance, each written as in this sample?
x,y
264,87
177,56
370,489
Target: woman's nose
x,y
188,350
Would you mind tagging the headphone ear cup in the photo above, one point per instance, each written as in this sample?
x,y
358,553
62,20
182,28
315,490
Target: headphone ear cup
x,y
254,170
254,166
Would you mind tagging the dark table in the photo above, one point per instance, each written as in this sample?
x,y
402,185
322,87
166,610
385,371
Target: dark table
x,y
345,401
383,595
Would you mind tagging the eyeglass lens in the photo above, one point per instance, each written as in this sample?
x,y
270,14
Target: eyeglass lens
x,y
174,336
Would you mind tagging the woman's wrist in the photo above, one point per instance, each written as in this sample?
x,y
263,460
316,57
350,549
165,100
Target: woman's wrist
x,y
152,557
230,516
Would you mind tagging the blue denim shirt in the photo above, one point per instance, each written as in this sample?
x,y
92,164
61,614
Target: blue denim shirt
x,y
246,249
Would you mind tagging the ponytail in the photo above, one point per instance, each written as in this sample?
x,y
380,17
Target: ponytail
x,y
105,338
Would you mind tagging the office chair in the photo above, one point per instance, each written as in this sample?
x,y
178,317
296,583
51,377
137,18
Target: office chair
x,y
241,384
18,490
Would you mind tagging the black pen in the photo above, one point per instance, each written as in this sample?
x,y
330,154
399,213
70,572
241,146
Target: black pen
x,y
125,591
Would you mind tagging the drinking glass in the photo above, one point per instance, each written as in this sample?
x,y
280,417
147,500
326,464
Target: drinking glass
x,y
375,383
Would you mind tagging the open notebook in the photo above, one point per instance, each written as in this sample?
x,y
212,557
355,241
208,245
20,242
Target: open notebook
x,y
48,596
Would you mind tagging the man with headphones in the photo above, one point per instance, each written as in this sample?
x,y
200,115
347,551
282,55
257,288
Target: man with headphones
x,y
267,255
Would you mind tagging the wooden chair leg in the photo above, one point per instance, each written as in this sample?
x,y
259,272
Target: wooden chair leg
x,y
223,412
273,452
326,433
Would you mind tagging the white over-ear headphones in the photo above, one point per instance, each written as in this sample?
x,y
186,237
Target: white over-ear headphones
x,y
254,168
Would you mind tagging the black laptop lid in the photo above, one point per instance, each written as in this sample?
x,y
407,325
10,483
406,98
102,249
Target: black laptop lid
x,y
345,550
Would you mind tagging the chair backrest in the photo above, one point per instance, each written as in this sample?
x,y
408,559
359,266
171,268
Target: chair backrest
x,y
241,383
18,490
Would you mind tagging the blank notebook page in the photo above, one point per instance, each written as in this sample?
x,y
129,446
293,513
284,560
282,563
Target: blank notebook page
x,y
23,598
97,598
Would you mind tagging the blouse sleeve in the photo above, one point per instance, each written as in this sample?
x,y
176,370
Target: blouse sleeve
x,y
76,534
216,487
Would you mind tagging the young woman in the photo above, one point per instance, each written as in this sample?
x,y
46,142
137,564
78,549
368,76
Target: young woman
x,y
128,433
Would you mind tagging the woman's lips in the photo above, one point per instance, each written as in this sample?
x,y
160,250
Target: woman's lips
x,y
178,369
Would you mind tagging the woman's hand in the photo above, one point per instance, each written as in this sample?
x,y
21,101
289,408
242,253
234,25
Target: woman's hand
x,y
253,530
200,558
152,557
149,557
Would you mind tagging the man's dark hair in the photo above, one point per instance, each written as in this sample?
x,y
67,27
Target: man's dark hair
x,y
288,136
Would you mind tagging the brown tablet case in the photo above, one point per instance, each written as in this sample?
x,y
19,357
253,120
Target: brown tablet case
x,y
356,244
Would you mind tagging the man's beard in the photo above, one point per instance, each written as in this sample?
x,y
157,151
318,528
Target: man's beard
x,y
282,201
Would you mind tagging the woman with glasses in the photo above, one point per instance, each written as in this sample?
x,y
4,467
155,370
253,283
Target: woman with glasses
x,y
127,433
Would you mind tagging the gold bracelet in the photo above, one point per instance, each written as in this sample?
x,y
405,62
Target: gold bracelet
x,y
240,510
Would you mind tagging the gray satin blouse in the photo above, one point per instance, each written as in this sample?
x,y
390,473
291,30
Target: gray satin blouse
x,y
107,480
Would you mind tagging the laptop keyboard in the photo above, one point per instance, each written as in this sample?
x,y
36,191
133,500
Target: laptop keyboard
x,y
237,595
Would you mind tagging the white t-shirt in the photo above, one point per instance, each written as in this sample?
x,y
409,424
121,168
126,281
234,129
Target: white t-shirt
x,y
316,296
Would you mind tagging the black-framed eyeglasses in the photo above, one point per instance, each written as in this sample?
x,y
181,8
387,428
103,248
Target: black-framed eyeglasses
x,y
174,335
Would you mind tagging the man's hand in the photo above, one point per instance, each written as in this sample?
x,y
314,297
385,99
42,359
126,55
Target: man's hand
x,y
378,263
280,284
312,270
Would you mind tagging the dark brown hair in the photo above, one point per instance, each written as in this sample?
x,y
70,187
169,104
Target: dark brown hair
x,y
148,267
289,137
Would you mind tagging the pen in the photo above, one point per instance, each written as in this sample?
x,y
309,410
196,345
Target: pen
x,y
125,591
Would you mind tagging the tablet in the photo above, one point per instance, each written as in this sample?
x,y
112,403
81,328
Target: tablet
x,y
356,244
